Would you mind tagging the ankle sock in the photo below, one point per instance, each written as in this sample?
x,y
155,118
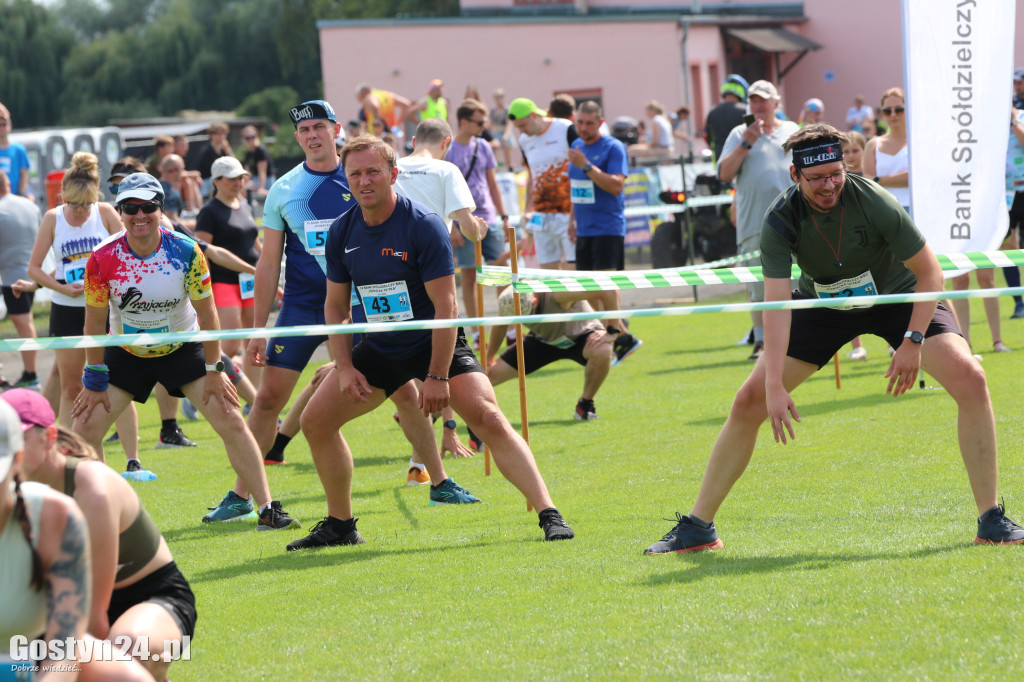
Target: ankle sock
x,y
168,425
277,449
699,522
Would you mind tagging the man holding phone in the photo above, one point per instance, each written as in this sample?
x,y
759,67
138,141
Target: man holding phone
x,y
753,155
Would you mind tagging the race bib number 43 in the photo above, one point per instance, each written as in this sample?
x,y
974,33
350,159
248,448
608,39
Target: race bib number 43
x,y
861,285
386,302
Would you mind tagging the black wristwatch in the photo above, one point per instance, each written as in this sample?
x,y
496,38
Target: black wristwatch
x,y
216,367
587,168
915,337
450,424
612,330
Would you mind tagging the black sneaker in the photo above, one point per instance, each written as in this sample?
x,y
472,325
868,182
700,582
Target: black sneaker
x,y
585,410
175,439
995,529
625,345
276,518
686,536
329,533
555,527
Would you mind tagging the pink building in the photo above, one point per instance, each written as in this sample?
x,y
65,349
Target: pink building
x,y
625,53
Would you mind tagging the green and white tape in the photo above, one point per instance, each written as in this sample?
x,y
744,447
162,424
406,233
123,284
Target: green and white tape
x,y
320,330
567,280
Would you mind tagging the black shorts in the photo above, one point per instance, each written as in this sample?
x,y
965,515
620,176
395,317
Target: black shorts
x,y
138,376
816,334
1016,213
390,375
66,320
166,587
600,253
17,305
536,353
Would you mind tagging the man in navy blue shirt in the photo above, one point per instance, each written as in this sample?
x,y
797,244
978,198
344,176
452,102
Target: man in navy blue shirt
x,y
597,179
397,257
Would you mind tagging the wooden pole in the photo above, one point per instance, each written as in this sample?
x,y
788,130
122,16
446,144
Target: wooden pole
x,y
520,359
478,255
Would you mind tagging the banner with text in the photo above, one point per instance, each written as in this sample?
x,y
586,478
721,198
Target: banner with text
x,y
958,68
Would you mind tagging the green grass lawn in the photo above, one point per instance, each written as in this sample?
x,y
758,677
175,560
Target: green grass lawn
x,y
847,553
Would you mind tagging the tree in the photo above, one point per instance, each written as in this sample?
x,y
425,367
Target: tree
x,y
32,49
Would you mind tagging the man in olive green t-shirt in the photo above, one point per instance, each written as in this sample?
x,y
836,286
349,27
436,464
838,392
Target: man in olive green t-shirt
x,y
850,239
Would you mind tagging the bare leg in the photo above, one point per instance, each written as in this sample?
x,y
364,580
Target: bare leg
x,y
987,280
100,420
70,364
128,431
242,451
962,306
473,399
947,357
52,389
26,329
328,410
419,431
469,290
599,363
735,444
155,624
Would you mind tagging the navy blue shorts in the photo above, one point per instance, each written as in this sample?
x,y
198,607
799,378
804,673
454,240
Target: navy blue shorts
x,y
137,375
601,252
294,352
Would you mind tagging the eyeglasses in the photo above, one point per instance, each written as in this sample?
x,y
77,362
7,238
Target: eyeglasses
x,y
836,179
147,208
889,110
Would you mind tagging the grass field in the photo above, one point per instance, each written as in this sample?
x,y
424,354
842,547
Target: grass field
x,y
847,553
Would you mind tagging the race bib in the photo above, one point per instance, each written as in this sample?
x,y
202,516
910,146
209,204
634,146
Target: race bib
x,y
562,342
861,285
246,285
316,235
74,268
386,302
133,325
536,223
582,191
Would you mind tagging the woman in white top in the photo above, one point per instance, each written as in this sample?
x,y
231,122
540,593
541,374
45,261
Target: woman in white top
x,y
885,158
661,140
72,230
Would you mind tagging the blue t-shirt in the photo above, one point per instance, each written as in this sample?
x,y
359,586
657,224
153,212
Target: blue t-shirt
x,y
12,160
387,265
304,203
599,213
172,197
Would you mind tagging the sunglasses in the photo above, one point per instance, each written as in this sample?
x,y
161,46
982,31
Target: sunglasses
x,y
888,111
479,123
147,208
250,137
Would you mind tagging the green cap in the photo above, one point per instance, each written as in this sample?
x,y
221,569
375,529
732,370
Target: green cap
x,y
522,107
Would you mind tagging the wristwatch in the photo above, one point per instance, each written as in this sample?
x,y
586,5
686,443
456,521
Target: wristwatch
x,y
915,337
588,167
216,367
450,424
745,144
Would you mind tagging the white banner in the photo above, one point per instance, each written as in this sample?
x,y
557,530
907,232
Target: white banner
x,y
958,70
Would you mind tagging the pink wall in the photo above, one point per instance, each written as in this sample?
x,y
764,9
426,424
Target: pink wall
x,y
632,61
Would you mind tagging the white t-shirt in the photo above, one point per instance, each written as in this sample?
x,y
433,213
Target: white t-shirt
x,y
438,185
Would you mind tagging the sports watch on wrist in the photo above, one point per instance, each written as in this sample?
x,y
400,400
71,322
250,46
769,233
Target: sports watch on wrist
x,y
450,424
216,367
915,337
587,168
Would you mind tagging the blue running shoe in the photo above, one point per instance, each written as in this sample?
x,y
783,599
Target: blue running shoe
x,y
135,472
686,536
995,529
450,492
231,508
189,410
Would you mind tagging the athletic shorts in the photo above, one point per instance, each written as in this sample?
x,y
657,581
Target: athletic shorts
x,y
226,295
1016,213
17,305
138,376
537,354
601,252
551,238
390,375
294,352
66,320
755,290
165,586
816,334
491,247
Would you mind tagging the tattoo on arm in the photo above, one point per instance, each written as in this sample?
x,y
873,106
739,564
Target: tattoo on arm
x,y
69,583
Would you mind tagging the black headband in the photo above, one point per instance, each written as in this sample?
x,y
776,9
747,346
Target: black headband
x,y
817,155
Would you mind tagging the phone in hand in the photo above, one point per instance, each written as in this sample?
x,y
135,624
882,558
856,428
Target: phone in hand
x,y
749,119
